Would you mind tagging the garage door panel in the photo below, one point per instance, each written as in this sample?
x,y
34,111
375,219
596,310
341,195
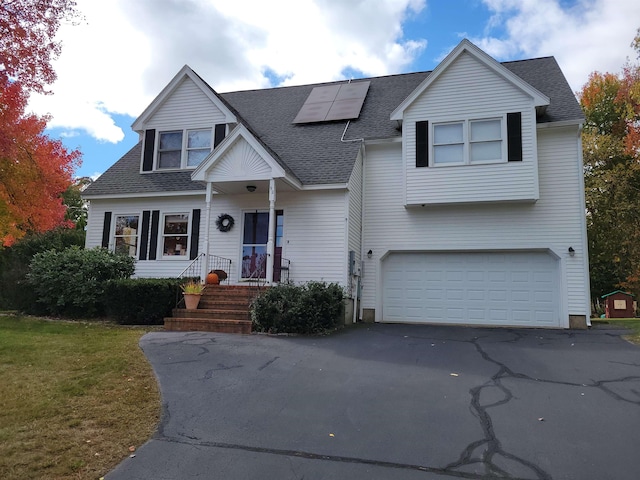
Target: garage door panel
x,y
476,295
454,295
519,288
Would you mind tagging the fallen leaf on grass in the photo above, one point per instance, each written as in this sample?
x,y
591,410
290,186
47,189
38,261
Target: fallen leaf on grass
x,y
132,448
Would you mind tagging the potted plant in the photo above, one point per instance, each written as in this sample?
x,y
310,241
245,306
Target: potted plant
x,y
192,292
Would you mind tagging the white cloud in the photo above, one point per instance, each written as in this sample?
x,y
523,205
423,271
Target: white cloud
x,y
585,36
128,50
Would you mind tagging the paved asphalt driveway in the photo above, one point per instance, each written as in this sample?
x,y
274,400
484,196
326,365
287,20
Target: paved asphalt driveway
x,y
394,402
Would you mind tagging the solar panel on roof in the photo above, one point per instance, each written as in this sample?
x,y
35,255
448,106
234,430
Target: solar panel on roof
x,y
333,102
345,109
323,94
311,112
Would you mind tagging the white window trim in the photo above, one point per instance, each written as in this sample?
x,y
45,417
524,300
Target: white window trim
x,y
161,236
112,245
184,152
466,135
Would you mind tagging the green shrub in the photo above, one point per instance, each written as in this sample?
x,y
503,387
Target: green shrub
x,y
15,260
72,282
315,307
140,301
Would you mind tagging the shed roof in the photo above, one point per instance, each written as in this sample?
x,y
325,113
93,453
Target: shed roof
x,y
617,291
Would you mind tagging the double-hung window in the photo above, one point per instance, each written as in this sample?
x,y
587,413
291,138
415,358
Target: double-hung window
x,y
183,148
170,150
468,142
175,235
448,143
126,234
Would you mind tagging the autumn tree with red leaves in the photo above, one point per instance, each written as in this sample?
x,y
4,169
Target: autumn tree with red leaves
x,y
611,152
34,169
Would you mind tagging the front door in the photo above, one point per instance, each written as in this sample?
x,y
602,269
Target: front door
x,y
254,245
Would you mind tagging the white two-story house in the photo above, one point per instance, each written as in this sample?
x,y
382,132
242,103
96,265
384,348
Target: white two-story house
x,y
453,196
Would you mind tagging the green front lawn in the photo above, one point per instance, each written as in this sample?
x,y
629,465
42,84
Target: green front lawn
x,y
633,324
75,397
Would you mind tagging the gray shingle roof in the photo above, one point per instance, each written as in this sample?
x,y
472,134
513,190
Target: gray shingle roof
x,y
314,153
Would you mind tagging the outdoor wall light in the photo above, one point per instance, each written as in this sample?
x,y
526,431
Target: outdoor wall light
x,y
251,188
572,252
369,254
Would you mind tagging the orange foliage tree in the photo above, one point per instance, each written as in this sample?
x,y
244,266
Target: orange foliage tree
x,y
611,152
34,169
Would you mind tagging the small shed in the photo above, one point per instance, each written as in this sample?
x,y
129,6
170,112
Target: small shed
x,y
619,304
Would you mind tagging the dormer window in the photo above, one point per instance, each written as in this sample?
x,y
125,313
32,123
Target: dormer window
x,y
183,148
198,146
170,150
178,149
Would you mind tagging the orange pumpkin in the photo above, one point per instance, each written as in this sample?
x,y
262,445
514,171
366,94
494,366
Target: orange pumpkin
x,y
212,279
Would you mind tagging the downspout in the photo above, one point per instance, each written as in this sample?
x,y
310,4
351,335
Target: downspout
x,y
357,313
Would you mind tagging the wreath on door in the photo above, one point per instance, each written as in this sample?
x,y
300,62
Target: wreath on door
x,y
225,222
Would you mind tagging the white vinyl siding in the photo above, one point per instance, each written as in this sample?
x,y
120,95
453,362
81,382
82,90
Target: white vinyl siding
x,y
186,107
314,231
166,205
314,235
553,223
469,90
354,194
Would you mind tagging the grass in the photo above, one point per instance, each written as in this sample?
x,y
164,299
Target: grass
x,y
74,397
633,324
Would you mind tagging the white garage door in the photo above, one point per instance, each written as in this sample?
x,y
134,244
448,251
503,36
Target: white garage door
x,y
472,288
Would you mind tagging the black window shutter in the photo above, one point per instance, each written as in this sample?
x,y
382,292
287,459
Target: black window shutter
x,y
514,136
106,229
195,233
149,146
219,133
153,244
422,144
144,235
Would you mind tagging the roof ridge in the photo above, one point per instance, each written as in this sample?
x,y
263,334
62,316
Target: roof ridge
x,y
347,80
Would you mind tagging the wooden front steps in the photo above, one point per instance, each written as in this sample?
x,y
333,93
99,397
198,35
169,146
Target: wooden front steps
x,y
222,308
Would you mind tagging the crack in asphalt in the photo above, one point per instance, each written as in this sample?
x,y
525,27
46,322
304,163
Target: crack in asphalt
x,y
268,363
490,441
490,444
196,442
484,452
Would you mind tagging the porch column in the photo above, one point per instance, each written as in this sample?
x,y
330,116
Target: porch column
x,y
272,228
204,268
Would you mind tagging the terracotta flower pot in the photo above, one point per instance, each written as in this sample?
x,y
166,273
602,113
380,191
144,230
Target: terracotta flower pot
x,y
191,300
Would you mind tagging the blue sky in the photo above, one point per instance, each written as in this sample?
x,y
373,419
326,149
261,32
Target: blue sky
x,y
106,80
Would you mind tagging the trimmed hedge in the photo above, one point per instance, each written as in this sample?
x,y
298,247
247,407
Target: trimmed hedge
x,y
141,301
71,283
15,293
314,307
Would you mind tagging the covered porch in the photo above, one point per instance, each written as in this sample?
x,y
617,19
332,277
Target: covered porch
x,y
243,228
